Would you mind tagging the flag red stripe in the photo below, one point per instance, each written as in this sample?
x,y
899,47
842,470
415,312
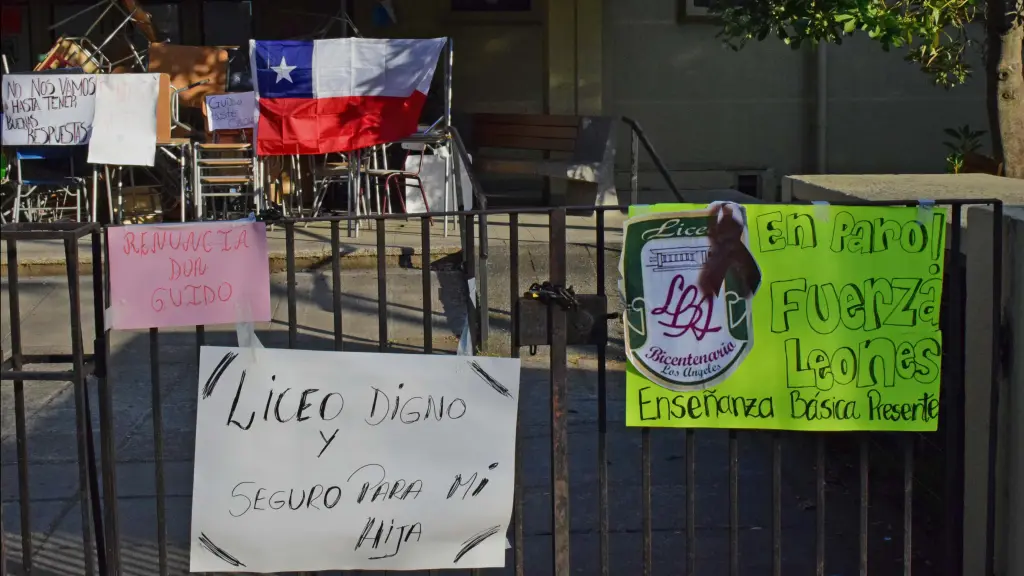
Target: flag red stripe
x,y
322,125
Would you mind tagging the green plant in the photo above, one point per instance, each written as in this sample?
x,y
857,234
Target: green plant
x,y
964,141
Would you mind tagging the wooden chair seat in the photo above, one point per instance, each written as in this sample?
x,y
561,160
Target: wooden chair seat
x,y
224,162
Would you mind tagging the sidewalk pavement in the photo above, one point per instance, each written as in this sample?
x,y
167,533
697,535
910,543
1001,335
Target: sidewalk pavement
x,y
56,517
403,240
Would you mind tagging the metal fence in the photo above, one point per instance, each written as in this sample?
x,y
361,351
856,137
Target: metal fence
x,y
880,503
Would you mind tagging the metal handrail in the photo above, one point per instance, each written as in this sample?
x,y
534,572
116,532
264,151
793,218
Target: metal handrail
x,y
639,137
460,147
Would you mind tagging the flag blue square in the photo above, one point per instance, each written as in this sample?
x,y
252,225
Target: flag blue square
x,y
283,69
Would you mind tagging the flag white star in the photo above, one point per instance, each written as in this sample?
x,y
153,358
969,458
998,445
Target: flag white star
x,y
284,71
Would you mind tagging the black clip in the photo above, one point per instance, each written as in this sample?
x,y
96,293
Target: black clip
x,y
270,214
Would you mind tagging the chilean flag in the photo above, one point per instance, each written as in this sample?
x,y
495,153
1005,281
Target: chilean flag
x,y
341,94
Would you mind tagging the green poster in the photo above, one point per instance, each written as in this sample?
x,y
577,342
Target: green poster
x,y
783,316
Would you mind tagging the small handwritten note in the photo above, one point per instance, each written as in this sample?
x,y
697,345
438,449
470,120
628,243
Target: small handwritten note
x,y
310,461
124,127
230,111
165,275
48,109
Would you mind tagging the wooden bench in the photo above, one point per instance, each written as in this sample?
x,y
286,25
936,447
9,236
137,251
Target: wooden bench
x,y
585,143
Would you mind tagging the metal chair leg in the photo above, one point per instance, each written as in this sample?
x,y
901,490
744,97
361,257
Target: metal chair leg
x,y
16,213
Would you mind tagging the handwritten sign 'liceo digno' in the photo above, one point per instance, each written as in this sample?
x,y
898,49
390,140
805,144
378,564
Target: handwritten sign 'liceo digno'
x,y
839,332
48,109
164,275
231,111
311,461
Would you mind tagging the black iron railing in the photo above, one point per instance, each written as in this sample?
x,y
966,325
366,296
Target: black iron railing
x,y
609,500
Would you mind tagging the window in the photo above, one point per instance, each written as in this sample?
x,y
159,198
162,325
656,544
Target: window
x,y
166,18
227,23
14,41
74,22
70,20
697,9
491,5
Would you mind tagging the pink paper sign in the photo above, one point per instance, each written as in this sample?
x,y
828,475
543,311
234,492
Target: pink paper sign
x,y
193,274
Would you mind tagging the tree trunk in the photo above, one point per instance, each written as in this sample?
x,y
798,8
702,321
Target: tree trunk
x,y
1005,80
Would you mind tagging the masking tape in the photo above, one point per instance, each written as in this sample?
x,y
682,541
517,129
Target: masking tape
x,y
821,211
924,210
108,319
245,330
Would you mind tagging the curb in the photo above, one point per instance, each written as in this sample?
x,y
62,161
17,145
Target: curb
x,y
305,260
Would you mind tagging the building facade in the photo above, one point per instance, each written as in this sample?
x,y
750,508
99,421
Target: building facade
x,y
707,109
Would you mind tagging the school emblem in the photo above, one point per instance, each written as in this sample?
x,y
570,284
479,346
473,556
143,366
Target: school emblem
x,y
688,279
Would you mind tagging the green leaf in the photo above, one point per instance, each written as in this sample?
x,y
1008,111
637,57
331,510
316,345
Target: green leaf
x,y
933,34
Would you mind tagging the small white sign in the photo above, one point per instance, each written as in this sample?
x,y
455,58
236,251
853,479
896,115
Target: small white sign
x,y
432,182
234,111
124,129
309,460
48,109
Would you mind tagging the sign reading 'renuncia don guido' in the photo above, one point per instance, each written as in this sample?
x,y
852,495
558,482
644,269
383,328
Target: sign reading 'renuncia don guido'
x,y
783,317
676,335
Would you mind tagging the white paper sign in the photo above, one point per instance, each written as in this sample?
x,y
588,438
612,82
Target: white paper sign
x,y
309,460
432,179
230,111
48,109
124,128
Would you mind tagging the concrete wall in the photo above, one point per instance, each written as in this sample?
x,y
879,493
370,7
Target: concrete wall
x,y
1009,489
885,116
840,187
699,102
704,104
499,61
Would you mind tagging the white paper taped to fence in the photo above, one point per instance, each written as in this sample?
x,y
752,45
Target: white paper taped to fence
x,y
233,111
124,129
48,109
431,184
309,460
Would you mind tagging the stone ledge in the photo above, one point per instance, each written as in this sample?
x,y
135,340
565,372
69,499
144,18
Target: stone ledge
x,y
888,187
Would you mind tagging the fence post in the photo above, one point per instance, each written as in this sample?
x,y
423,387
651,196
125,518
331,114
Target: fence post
x,y
557,330
483,307
101,357
954,335
21,434
634,167
3,545
469,272
88,492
